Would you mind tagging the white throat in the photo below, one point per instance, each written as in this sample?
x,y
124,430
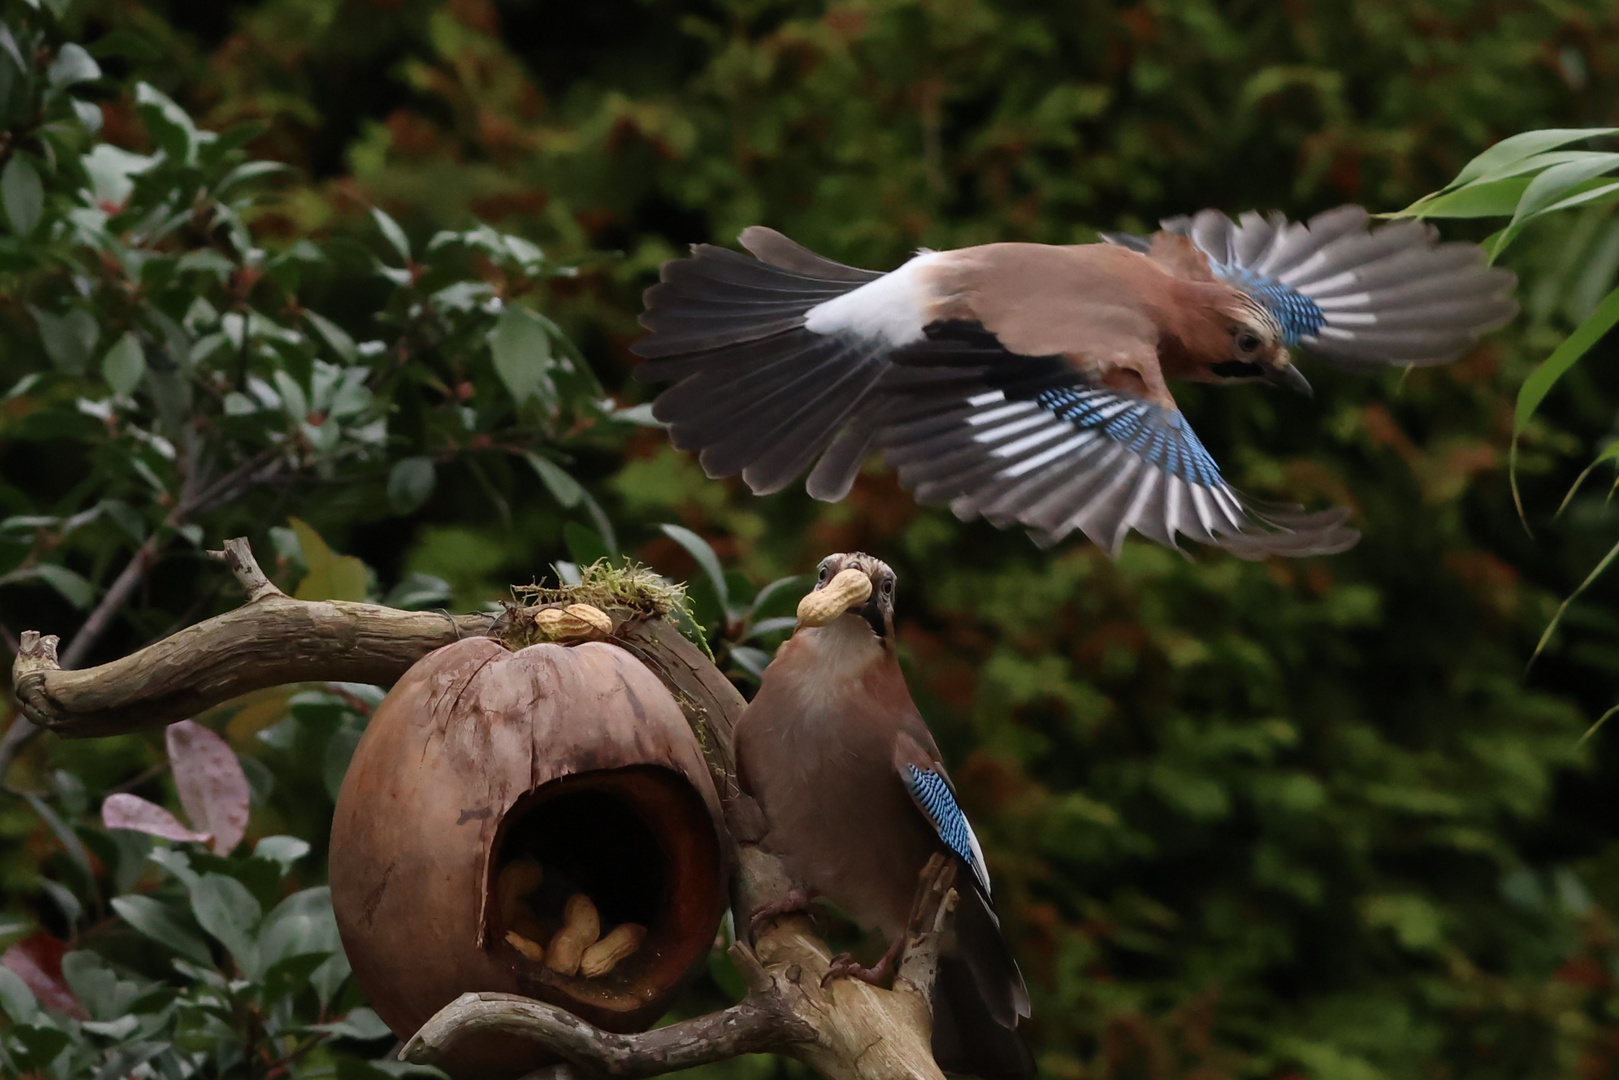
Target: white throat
x,y
831,660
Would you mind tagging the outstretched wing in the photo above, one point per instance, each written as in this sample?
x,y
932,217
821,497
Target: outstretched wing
x,y
1033,441
1357,296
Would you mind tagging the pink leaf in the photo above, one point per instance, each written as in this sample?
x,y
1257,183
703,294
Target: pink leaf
x,y
37,960
125,811
212,786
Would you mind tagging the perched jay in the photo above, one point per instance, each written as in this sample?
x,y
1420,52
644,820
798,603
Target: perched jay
x,y
1027,383
856,801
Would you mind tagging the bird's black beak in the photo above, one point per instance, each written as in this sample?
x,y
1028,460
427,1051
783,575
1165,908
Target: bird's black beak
x,y
872,612
1291,377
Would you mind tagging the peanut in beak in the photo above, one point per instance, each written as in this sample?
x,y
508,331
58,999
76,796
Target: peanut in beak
x,y
848,588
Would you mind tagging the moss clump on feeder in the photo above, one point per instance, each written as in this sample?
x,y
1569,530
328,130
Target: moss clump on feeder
x,y
605,585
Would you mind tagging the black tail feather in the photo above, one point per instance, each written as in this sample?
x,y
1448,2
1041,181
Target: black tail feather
x,y
754,391
966,1038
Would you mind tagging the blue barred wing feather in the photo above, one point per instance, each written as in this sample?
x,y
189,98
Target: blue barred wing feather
x,y
933,796
1046,449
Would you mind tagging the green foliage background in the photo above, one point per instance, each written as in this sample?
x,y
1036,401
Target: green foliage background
x,y
1258,820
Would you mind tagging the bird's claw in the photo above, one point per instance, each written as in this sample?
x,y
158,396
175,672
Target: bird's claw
x,y
844,966
796,900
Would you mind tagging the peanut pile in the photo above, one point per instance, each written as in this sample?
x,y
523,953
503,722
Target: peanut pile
x,y
578,947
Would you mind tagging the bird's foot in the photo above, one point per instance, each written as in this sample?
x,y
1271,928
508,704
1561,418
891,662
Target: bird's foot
x,y
796,900
843,966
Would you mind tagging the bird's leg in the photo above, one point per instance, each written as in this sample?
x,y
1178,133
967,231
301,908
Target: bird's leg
x,y
844,966
796,900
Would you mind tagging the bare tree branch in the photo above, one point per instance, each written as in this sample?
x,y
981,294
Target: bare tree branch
x,y
755,1026
270,641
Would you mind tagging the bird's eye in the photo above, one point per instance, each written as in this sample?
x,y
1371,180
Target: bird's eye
x,y
888,586
1248,342
826,571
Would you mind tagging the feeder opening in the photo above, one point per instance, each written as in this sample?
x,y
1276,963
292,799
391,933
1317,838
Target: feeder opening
x,y
593,842
606,885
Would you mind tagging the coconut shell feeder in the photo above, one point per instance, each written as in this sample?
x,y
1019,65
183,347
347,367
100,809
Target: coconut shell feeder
x,y
538,821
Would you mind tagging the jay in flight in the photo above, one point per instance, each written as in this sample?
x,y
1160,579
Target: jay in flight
x,y
1028,383
856,801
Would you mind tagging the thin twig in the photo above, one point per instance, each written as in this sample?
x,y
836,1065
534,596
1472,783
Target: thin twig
x,y
21,732
112,602
131,784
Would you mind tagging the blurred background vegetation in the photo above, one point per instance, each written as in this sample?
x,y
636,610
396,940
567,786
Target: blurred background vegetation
x,y
1287,819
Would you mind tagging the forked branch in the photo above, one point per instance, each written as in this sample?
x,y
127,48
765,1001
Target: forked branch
x,y
271,640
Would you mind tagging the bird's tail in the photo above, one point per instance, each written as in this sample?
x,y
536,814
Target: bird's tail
x,y
754,391
978,999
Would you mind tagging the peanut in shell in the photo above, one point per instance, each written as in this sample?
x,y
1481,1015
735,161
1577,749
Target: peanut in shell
x,y
581,925
603,956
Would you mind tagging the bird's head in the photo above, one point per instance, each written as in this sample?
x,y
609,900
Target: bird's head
x,y
1257,350
851,584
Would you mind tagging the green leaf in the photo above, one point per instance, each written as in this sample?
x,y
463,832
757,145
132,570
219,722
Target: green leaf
x,y
303,923
69,585
64,832
331,576
1590,194
1485,198
124,365
69,339
1547,189
563,488
162,924
410,482
1557,616
22,193
363,1024
585,545
72,65
225,909
339,752
392,233
352,1068
336,338
797,582
98,986
1500,158
706,559
171,127
1549,371
111,171
247,171
1549,186
417,591
521,347
16,1000
1609,453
